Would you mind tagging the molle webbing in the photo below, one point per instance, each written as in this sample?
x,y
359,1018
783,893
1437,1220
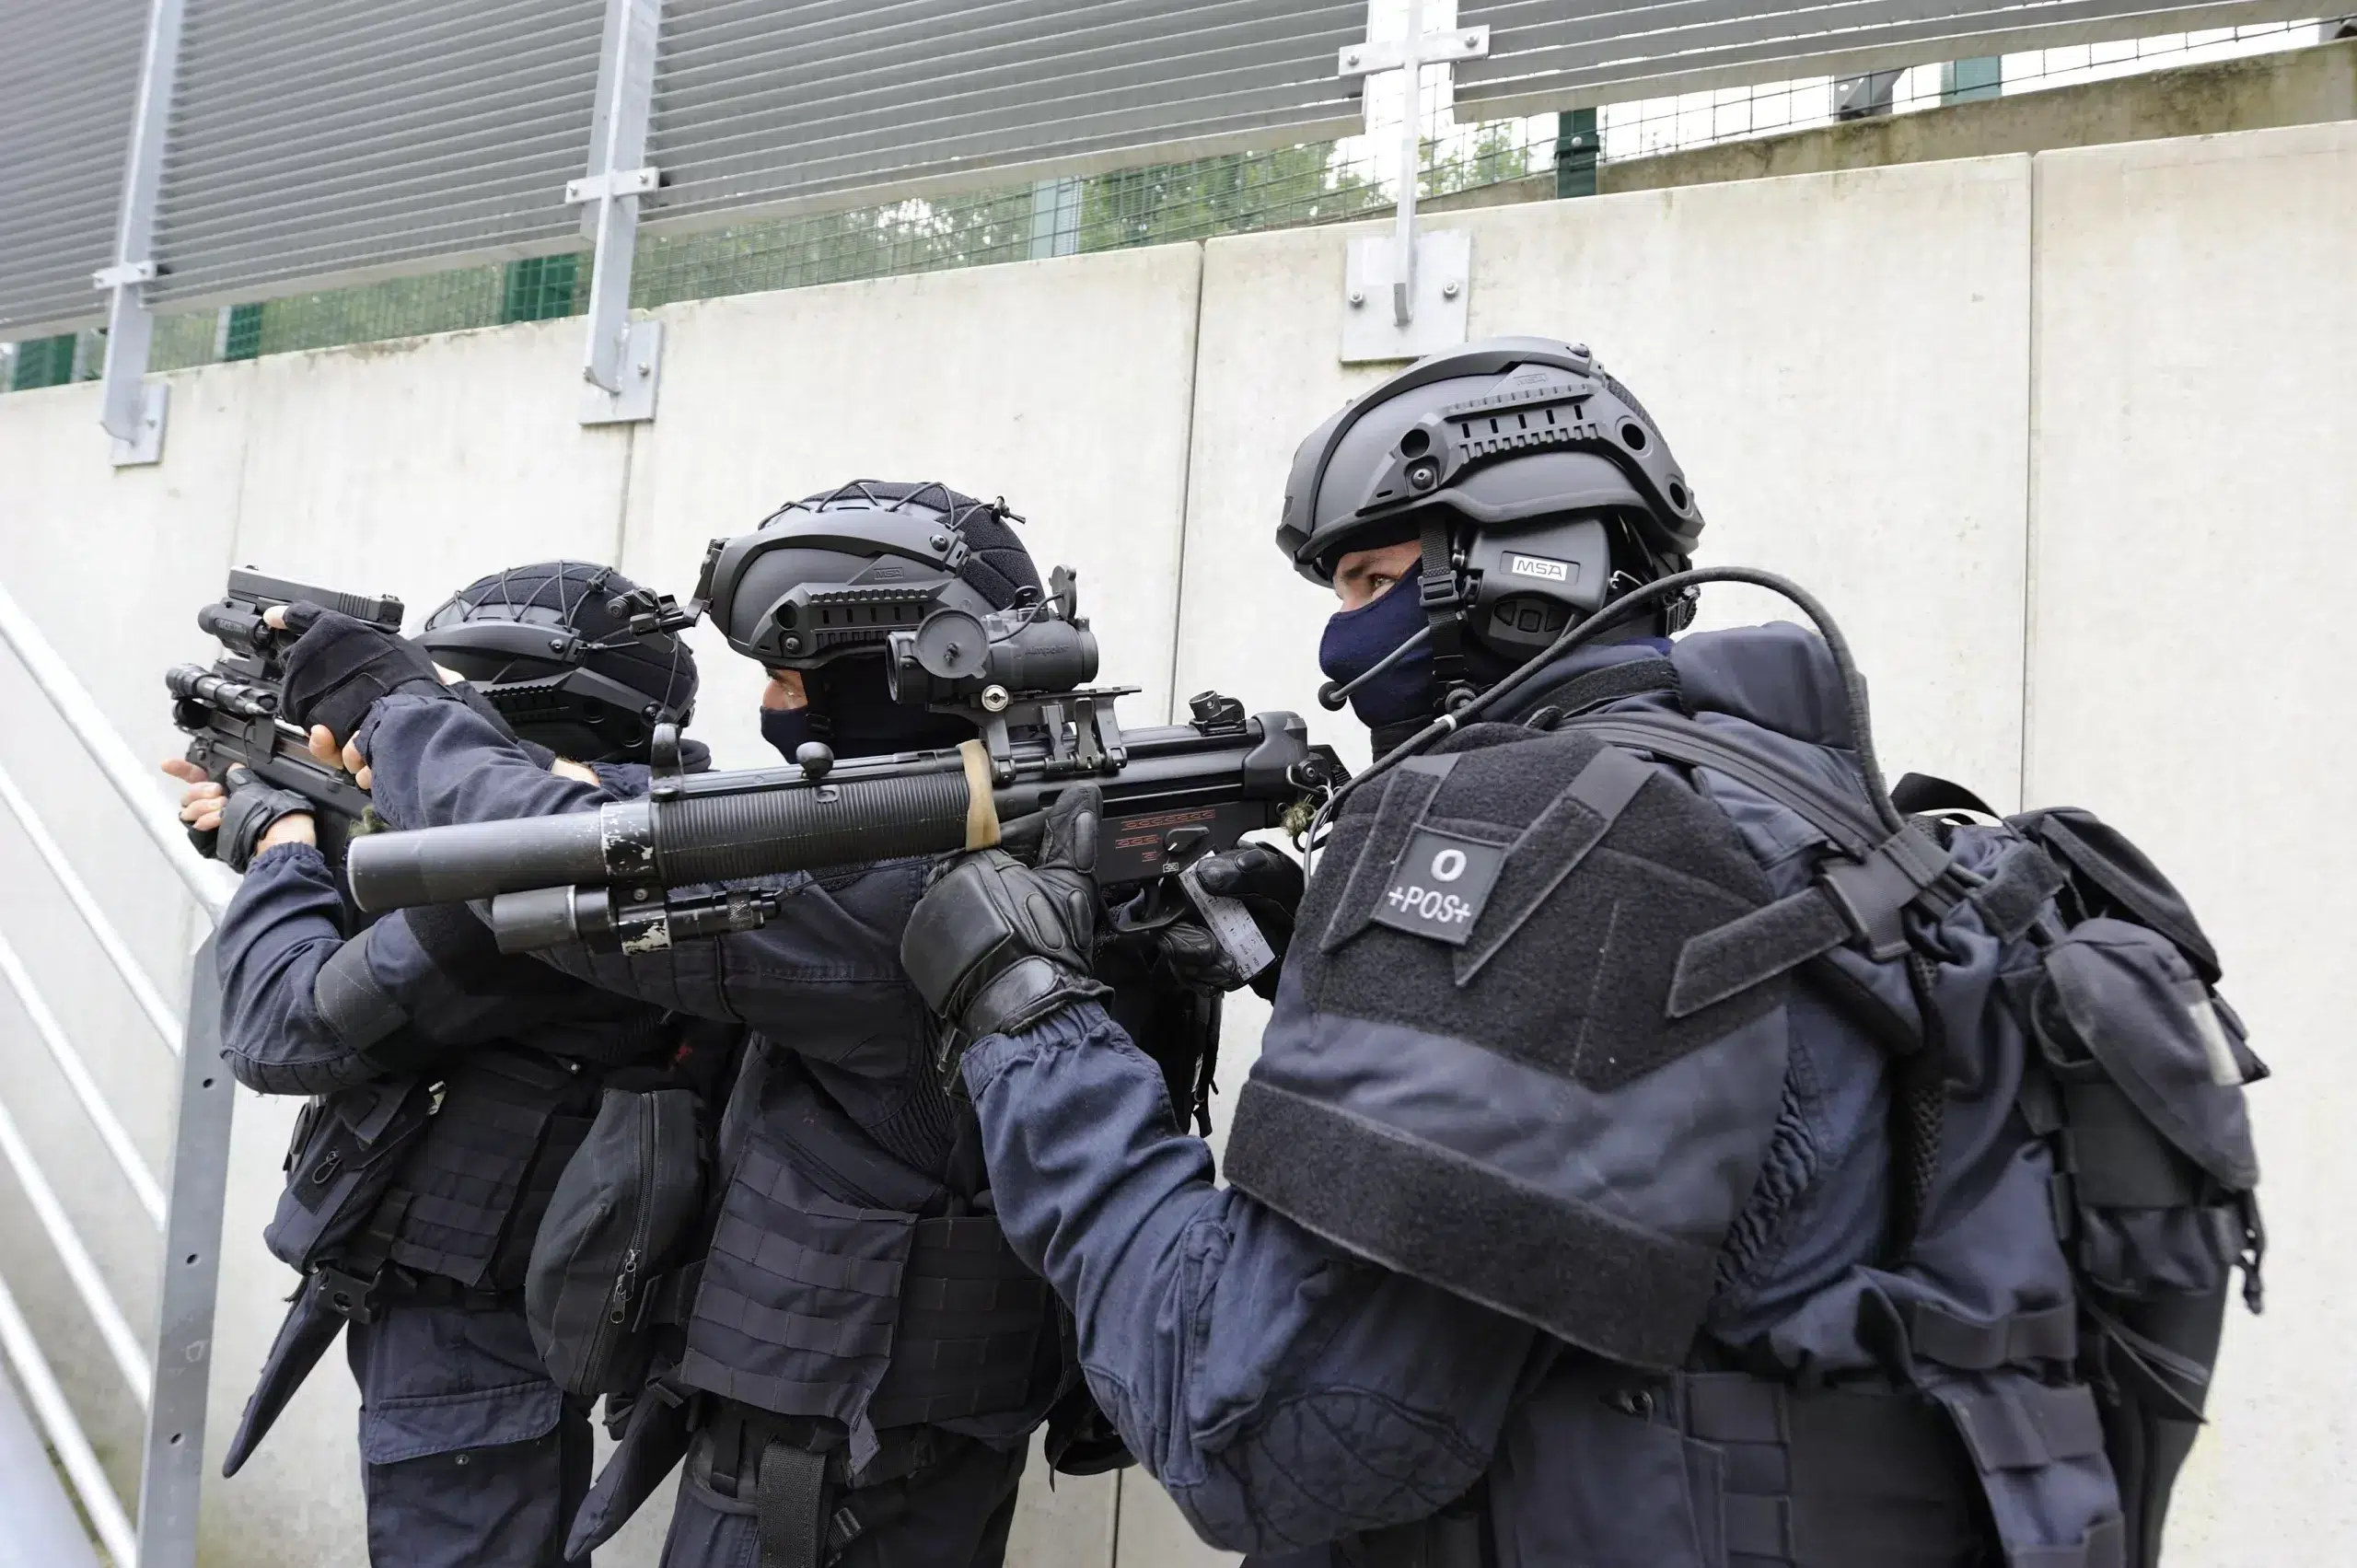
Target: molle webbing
x,y
2049,1334
465,1187
2010,899
971,1317
1835,1479
809,1306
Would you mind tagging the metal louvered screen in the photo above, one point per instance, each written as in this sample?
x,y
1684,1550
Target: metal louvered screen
x,y
317,140
1557,54
766,105
68,76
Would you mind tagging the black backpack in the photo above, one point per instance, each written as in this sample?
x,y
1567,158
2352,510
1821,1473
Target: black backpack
x,y
2137,1089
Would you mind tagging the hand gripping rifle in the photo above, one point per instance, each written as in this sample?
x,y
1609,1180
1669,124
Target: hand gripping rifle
x,y
231,710
610,878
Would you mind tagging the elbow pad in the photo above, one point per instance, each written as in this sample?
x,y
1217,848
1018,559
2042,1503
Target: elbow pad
x,y
352,1001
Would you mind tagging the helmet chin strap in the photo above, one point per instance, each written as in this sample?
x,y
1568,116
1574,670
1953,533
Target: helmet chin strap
x,y
1444,609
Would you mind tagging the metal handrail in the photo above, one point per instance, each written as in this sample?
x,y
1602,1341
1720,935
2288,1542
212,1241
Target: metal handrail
x,y
110,1129
172,1382
64,1432
112,1328
143,990
131,781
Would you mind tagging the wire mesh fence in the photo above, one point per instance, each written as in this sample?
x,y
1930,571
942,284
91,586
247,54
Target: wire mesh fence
x,y
1234,193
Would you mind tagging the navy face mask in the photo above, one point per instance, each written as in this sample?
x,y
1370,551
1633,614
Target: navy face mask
x,y
786,728
851,710
1356,639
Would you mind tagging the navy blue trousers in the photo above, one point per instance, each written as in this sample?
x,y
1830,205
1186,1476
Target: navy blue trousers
x,y
470,1455
953,1513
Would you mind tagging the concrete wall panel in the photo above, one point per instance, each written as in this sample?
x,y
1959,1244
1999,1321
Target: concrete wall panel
x,y
415,466
1839,362
2191,651
1060,385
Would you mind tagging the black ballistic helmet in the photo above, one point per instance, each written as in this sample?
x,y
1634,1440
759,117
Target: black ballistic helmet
x,y
1536,481
834,575
575,657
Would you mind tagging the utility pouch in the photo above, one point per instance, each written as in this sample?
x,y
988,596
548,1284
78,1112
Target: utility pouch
x,y
2147,1067
347,1147
2141,1100
627,1201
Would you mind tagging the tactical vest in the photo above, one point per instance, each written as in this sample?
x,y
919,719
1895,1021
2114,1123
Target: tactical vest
x,y
871,1300
447,1178
1538,1055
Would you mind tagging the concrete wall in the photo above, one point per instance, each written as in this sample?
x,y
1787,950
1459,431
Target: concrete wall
x,y
2059,438
2193,476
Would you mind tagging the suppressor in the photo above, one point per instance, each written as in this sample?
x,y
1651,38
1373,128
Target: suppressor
x,y
689,838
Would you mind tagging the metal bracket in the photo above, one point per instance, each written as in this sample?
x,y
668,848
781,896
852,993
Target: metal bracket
x,y
132,411
1424,278
1436,49
1436,317
642,377
145,443
624,357
123,275
631,183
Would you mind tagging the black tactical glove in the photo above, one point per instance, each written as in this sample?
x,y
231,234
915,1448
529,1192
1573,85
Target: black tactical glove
x,y
248,813
338,667
996,946
1268,884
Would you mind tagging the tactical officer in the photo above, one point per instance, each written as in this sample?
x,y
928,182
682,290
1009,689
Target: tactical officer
x,y
1582,1208
453,1083
863,1358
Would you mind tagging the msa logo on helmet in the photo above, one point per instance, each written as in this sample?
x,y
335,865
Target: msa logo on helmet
x,y
1541,567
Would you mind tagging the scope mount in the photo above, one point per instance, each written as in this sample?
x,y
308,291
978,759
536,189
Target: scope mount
x,y
1094,745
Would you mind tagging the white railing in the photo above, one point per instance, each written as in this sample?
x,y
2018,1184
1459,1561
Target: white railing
x,y
167,1371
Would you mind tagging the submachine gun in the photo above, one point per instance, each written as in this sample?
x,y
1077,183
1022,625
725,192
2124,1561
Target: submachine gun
x,y
611,877
231,710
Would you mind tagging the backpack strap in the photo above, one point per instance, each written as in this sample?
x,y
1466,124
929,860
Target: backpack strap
x,y
1845,819
1857,898
1921,795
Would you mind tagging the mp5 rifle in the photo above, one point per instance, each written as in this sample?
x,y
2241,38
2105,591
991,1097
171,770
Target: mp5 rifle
x,y
231,710
635,873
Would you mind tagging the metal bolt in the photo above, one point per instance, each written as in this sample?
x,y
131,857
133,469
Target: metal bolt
x,y
1467,42
646,367
1351,58
556,644
794,644
1449,289
1357,300
941,541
